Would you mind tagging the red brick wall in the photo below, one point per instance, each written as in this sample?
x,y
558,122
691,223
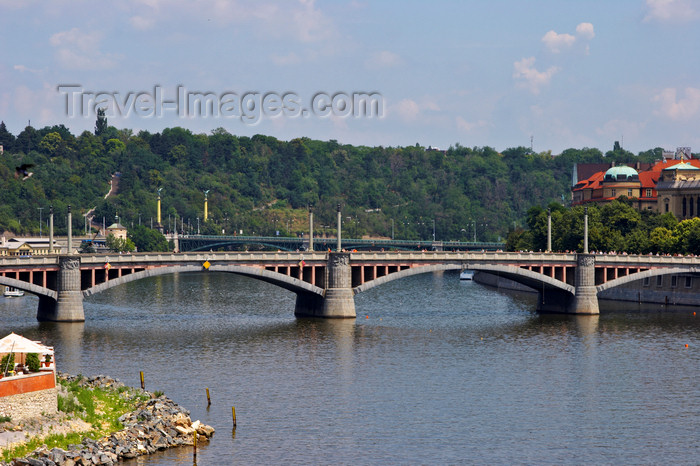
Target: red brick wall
x,y
27,383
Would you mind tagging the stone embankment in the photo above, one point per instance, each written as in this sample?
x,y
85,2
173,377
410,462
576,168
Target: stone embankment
x,y
156,424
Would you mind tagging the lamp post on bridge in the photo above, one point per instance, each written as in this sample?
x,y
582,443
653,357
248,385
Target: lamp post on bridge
x,y
549,230
340,221
585,230
158,219
311,229
50,229
206,207
70,232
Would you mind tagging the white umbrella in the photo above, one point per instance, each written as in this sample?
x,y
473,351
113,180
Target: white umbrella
x,y
18,344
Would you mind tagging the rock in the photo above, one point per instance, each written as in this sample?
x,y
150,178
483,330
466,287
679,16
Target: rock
x,y
206,431
156,424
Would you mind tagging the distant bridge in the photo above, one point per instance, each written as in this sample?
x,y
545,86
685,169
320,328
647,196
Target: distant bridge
x,y
326,282
289,243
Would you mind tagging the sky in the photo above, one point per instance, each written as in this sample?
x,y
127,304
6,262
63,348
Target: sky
x,y
501,73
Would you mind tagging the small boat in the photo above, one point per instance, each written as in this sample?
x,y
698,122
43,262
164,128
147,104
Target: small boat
x,y
11,292
466,275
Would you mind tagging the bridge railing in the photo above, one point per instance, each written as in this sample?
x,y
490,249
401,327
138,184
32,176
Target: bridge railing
x,y
201,257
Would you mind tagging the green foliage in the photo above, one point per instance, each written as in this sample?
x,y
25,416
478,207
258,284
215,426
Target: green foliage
x,y
119,244
101,122
32,362
262,185
614,227
69,404
5,419
99,407
147,240
51,441
7,363
86,247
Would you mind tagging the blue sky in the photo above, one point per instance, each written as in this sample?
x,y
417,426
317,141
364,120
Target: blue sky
x,y
478,73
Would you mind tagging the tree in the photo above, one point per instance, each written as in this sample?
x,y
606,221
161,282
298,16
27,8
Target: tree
x,y
101,122
147,240
7,139
51,144
119,244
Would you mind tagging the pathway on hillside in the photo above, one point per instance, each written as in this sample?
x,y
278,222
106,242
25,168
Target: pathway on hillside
x,y
113,189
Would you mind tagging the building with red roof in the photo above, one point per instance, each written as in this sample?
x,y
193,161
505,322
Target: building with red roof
x,y
671,185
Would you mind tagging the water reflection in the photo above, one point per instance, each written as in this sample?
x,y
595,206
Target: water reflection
x,y
434,370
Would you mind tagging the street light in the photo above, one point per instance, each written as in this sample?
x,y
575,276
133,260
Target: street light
x,y
197,225
433,229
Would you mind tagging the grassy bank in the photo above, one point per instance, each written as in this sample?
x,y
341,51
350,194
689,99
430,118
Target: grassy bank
x,y
96,408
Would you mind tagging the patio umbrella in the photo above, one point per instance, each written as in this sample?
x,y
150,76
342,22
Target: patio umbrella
x,y
18,344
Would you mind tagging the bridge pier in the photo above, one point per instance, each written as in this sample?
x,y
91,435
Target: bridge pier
x,y
338,300
585,300
69,305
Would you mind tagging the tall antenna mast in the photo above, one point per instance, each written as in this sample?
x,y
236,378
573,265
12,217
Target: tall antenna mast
x,y
531,138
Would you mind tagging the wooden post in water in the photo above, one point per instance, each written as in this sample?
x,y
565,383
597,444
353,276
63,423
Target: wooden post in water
x,y
208,399
194,444
143,385
233,412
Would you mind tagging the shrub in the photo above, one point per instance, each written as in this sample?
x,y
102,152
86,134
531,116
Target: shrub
x,y
7,363
32,362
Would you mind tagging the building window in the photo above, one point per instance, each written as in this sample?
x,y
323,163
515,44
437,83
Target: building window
x,y
674,281
646,281
691,206
666,204
685,210
612,192
659,280
648,192
629,192
688,282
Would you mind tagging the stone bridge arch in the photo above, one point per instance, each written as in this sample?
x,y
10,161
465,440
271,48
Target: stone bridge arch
x,y
534,280
403,274
284,281
647,274
28,287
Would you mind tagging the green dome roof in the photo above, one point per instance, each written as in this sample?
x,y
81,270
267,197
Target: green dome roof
x,y
682,166
621,173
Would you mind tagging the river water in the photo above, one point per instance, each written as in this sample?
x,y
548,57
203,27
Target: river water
x,y
432,371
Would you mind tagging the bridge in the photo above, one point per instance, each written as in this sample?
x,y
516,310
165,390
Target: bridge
x,y
325,282
291,243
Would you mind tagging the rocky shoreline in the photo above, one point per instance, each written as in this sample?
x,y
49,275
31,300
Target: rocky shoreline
x,y
156,424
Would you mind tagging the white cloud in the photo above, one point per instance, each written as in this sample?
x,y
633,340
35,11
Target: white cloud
x,y
23,69
383,59
407,109
556,42
79,50
301,20
678,109
31,103
141,23
670,10
529,77
468,127
585,30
